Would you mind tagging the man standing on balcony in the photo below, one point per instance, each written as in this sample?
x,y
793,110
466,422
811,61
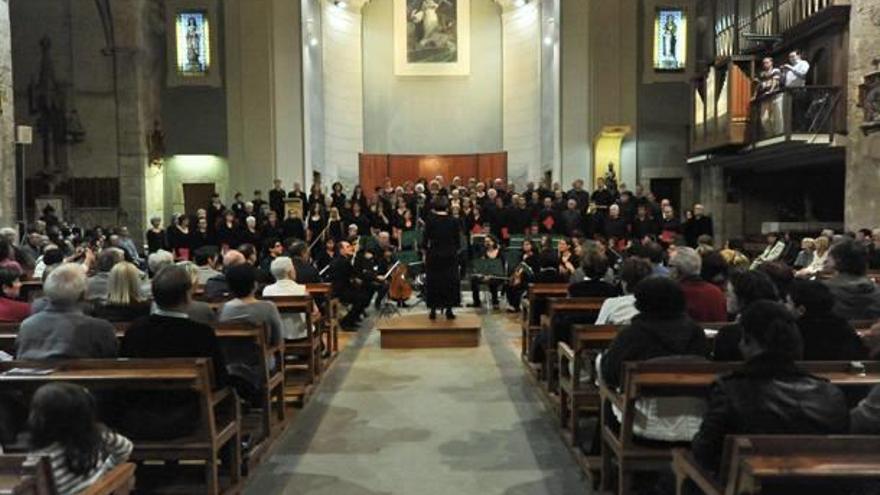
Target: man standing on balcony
x,y
795,71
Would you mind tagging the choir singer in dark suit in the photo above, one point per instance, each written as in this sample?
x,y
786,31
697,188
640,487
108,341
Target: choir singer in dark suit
x,y
441,242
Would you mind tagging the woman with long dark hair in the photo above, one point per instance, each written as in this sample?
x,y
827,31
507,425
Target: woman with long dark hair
x,y
64,426
442,240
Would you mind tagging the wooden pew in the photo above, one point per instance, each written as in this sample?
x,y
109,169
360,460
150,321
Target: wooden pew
x,y
749,461
219,425
558,307
686,379
531,318
271,413
300,377
322,294
29,475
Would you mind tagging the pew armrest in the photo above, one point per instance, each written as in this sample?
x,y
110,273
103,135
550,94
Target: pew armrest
x,y
221,395
119,481
685,468
568,368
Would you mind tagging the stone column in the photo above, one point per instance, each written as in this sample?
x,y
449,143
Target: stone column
x,y
713,196
7,122
135,94
863,152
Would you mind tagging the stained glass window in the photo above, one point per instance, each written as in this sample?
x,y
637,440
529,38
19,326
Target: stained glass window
x,y
670,39
193,44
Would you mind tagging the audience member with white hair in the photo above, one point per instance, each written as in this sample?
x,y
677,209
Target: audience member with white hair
x,y
125,298
216,288
62,330
285,275
98,284
705,301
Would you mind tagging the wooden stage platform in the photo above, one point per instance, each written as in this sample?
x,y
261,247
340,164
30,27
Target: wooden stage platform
x,y
419,332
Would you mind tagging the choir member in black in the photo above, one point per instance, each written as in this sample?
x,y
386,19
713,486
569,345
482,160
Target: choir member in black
x,y
495,215
179,238
442,241
327,254
579,194
249,234
670,226
337,196
357,197
379,219
697,225
227,232
215,213
348,286
202,235
297,193
316,222
237,206
643,225
603,197
316,196
570,219
293,227
276,198
258,203
614,226
518,217
491,252
547,221
406,224
156,236
359,218
273,249
248,211
336,227
474,222
523,275
272,227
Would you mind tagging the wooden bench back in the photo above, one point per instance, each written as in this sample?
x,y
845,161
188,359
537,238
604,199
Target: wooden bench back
x,y
26,475
258,337
537,294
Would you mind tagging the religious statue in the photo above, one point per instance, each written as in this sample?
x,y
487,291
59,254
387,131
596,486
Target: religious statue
x,y
611,178
47,100
869,100
670,36
432,32
194,46
156,145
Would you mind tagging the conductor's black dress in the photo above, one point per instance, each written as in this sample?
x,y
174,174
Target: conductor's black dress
x,y
442,241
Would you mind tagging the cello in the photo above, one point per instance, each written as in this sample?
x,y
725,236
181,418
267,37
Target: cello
x,y
399,287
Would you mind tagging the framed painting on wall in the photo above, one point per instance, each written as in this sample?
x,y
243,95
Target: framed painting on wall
x,y
432,37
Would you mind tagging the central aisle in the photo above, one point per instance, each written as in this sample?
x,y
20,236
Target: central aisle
x,y
436,421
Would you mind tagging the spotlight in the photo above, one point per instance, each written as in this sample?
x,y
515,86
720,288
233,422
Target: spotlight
x,y
341,4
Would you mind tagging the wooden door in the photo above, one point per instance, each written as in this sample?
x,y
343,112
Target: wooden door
x,y
197,196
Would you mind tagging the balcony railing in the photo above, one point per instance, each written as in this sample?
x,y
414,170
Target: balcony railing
x,y
808,111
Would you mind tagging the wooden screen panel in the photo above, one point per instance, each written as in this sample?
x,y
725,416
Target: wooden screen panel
x,y
373,171
492,166
740,92
464,166
404,168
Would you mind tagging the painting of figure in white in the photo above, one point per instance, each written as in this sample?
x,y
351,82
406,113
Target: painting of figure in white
x,y
193,44
432,37
670,39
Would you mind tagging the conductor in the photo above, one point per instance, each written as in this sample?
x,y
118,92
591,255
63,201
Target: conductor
x,y
441,242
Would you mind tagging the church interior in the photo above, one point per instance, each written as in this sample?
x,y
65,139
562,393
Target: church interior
x,y
360,247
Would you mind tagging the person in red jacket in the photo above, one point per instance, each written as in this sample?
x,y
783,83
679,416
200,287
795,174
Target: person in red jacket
x,y
705,301
11,309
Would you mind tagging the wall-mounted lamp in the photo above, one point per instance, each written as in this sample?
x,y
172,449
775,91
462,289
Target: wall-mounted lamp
x,y
311,36
340,3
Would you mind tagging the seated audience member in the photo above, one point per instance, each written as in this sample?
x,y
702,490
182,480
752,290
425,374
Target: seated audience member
x,y
11,309
734,256
51,258
705,245
856,297
817,264
662,328
349,286
216,288
826,336
768,394
7,256
773,251
744,289
549,271
705,302
714,269
622,309
653,252
306,273
594,266
98,284
864,419
199,311
124,297
246,308
62,330
64,426
158,260
285,275
205,258
805,256
168,333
